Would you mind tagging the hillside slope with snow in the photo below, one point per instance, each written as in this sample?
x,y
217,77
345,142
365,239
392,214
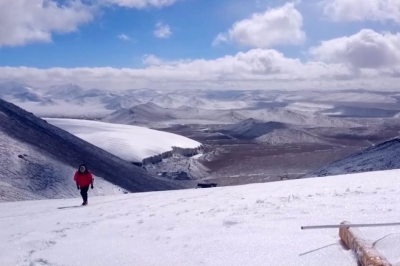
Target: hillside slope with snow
x,y
289,136
296,117
131,143
250,225
151,113
38,160
383,156
27,173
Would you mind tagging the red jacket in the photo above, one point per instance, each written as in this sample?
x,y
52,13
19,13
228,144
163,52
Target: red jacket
x,y
83,179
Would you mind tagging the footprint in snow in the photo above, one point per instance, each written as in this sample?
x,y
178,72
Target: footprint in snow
x,y
230,223
39,262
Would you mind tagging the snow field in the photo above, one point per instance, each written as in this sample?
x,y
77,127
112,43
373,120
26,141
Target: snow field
x,y
131,143
256,224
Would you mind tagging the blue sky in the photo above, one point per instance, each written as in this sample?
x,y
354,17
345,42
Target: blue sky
x,y
91,39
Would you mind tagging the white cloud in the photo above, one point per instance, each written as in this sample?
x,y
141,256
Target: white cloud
x,y
361,10
140,4
365,50
27,21
162,31
124,37
152,60
255,69
276,26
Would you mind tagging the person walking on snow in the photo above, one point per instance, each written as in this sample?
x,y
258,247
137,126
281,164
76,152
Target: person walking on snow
x,y
83,179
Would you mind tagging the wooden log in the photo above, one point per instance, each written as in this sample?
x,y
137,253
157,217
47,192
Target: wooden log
x,y
366,254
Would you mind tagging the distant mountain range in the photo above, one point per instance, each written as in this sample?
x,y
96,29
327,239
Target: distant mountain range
x,y
70,100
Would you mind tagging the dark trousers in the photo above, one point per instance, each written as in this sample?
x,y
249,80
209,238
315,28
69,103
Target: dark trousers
x,y
84,191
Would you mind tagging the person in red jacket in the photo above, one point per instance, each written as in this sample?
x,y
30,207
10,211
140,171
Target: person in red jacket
x,y
83,179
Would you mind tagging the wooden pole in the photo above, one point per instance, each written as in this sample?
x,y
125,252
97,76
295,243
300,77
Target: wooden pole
x,y
366,254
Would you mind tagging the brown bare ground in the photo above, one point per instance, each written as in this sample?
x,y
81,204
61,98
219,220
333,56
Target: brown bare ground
x,y
244,161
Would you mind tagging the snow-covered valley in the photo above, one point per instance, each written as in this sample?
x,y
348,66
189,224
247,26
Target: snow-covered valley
x,y
256,224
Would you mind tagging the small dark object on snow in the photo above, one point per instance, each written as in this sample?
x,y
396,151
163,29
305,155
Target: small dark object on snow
x,y
205,185
20,156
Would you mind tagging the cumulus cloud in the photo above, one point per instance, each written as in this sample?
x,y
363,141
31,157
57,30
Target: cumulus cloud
x,y
257,68
276,26
361,10
139,4
124,37
365,50
27,21
162,31
152,60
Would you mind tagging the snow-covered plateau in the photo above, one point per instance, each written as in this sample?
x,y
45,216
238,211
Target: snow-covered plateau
x,y
258,224
132,143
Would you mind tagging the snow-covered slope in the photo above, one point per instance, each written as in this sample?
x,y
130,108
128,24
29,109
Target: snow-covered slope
x,y
289,136
252,225
383,156
26,174
37,160
151,113
131,143
273,133
283,115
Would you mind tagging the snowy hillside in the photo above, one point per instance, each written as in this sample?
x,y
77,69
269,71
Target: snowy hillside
x,y
274,133
152,114
289,136
131,143
37,175
37,160
384,156
295,117
175,101
250,225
